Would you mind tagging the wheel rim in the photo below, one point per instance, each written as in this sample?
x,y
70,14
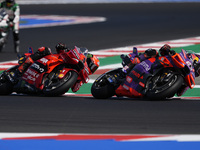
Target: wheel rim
x,y
56,83
157,85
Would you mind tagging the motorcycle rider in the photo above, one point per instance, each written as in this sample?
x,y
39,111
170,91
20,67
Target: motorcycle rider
x,y
150,53
165,50
25,62
130,60
92,62
13,11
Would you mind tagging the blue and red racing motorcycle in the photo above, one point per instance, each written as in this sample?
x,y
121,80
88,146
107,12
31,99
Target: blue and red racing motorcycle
x,y
155,78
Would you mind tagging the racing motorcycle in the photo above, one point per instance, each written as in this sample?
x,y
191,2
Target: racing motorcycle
x,y
4,28
154,79
52,75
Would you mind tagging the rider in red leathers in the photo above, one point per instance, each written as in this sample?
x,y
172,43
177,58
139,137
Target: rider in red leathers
x,y
61,49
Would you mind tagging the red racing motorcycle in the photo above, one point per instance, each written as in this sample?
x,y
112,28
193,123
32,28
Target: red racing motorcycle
x,y
154,78
52,75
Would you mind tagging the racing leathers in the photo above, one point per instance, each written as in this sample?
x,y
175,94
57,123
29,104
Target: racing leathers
x,y
13,12
26,61
131,60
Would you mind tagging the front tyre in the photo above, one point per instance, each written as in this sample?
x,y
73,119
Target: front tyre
x,y
59,87
102,91
159,88
102,88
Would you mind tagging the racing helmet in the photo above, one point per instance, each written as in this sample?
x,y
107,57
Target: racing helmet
x,y
165,50
150,53
10,3
44,50
196,63
93,63
60,48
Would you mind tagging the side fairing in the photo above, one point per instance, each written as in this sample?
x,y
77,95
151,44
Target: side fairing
x,y
136,79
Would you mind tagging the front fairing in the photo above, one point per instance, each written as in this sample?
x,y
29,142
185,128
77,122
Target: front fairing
x,y
185,64
78,57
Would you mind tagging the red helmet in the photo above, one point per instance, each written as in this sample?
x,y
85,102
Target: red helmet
x,y
44,50
92,62
60,48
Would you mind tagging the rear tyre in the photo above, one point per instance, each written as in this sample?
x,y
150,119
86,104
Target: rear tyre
x,y
161,90
6,87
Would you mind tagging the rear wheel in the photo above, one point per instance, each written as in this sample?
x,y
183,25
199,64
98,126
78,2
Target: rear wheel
x,y
56,87
6,87
163,86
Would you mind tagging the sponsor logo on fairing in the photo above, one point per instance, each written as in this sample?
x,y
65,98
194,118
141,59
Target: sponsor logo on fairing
x,y
145,65
128,79
32,73
44,60
31,78
136,74
37,67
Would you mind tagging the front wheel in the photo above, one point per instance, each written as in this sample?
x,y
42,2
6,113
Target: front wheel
x,y
58,87
163,86
105,85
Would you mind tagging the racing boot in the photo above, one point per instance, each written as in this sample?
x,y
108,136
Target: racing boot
x,y
16,41
16,46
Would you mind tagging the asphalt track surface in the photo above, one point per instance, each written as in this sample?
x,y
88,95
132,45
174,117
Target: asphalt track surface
x,y
127,24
